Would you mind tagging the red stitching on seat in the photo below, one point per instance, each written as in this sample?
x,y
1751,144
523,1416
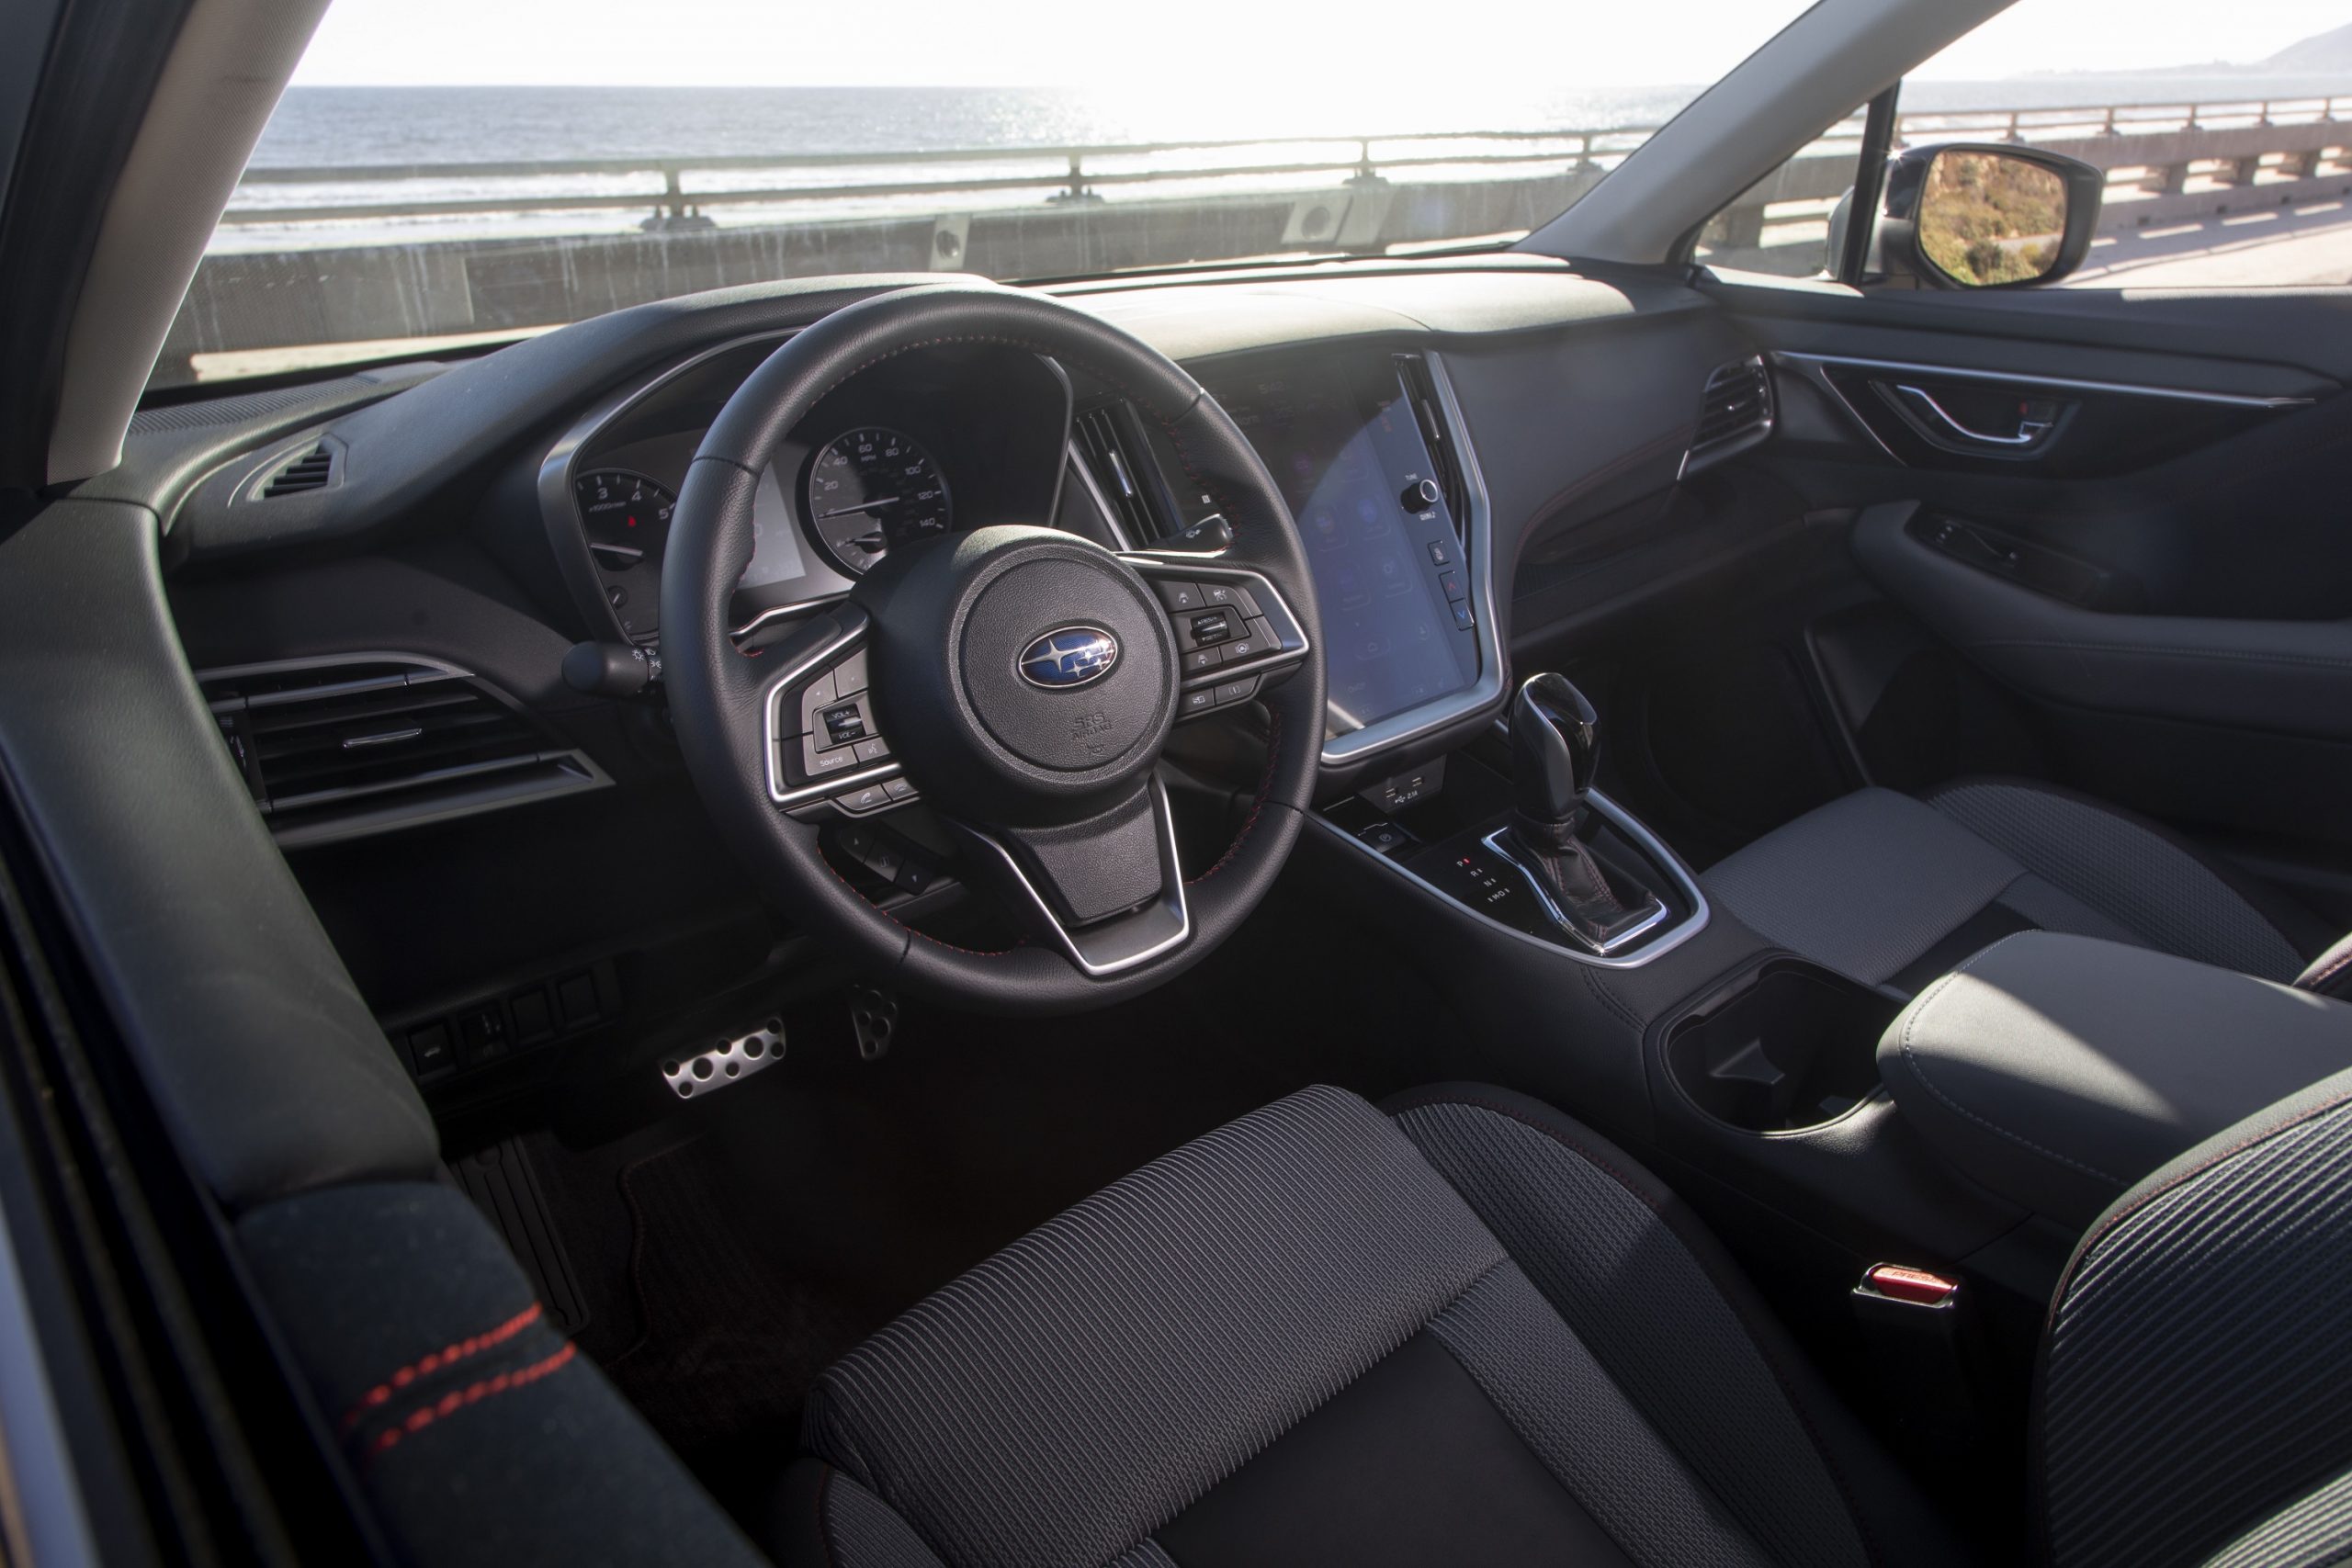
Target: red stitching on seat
x,y
449,1404
425,1365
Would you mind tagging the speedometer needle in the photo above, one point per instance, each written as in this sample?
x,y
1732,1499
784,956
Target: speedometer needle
x,y
861,506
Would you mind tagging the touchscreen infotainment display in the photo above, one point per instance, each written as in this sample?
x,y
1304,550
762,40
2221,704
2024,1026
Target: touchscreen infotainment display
x,y
1342,440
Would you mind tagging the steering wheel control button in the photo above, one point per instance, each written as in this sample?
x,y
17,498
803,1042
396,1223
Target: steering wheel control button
x,y
1199,700
858,802
1233,692
825,763
843,723
1200,660
1180,596
847,679
900,790
872,751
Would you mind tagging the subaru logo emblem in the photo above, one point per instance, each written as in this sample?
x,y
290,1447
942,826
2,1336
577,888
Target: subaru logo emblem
x,y
1066,660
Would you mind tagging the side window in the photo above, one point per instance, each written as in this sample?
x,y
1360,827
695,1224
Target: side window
x,y
1782,223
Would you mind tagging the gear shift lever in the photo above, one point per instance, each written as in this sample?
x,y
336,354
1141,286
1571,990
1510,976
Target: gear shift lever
x,y
1554,744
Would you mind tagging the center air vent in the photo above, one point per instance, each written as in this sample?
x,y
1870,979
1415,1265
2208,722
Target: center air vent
x,y
1735,413
1110,444
311,467
340,750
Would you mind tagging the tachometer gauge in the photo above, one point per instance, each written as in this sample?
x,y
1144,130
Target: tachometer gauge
x,y
627,519
872,489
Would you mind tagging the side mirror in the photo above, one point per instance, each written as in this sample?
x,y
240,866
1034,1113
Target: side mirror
x,y
1968,216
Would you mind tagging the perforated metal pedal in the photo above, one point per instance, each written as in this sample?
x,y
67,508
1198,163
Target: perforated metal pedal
x,y
728,1062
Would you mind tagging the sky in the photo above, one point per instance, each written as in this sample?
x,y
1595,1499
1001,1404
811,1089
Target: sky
x,y
1188,48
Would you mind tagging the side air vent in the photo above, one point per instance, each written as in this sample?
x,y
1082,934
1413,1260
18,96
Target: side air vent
x,y
345,749
1735,413
1110,445
1413,375
311,467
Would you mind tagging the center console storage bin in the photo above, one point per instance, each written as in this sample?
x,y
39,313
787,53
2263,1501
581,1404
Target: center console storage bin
x,y
2059,1070
1784,1047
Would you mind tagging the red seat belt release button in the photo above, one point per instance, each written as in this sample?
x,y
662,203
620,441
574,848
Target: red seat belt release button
x,y
1917,1286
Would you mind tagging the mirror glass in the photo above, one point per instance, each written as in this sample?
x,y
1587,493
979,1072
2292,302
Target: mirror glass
x,y
1986,218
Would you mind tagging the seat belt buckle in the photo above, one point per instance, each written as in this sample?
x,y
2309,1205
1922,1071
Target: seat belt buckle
x,y
1912,1320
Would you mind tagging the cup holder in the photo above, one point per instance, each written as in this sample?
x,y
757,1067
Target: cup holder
x,y
1788,1047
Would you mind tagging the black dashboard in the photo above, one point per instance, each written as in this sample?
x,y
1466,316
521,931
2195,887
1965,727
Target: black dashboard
x,y
1462,447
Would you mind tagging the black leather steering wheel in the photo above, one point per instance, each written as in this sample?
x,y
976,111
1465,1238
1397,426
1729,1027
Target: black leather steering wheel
x,y
1024,680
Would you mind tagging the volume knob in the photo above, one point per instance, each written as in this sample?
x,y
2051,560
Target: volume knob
x,y
1422,495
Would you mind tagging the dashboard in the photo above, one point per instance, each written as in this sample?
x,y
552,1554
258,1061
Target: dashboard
x,y
1474,454
1365,445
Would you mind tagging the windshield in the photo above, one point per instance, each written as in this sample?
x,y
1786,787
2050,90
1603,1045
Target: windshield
x,y
445,173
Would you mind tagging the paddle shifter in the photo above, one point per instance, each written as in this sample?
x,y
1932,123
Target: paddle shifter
x,y
1555,743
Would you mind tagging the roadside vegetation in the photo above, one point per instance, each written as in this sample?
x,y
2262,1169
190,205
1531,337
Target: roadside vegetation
x,y
1985,218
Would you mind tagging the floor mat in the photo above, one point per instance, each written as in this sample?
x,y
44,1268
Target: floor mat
x,y
732,1326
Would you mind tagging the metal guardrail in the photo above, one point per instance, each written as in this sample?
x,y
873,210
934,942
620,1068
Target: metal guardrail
x,y
1079,173
1073,180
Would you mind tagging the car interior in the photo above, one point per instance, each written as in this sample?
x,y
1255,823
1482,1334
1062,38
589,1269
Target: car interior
x,y
1539,904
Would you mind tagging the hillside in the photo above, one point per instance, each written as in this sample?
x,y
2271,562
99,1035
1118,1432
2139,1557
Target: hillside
x,y
2326,51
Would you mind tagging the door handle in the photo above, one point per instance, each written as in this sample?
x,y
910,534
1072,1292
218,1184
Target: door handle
x,y
2030,430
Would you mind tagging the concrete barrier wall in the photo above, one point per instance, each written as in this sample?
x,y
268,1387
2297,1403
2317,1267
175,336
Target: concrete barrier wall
x,y
387,292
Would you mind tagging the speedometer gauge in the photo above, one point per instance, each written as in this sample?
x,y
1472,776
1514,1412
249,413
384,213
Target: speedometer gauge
x,y
870,490
627,519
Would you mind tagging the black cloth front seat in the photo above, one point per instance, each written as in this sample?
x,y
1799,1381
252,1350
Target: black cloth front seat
x,y
1471,1332
1889,890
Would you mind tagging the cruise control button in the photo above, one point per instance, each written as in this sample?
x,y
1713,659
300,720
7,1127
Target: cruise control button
x,y
1179,596
872,751
1199,700
1239,690
1216,594
1242,647
1200,660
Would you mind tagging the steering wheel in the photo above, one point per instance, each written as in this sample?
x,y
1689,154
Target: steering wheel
x,y
1020,680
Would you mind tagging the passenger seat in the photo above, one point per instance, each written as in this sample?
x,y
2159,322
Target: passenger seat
x,y
1893,891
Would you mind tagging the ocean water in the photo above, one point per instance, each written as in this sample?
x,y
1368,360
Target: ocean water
x,y
337,128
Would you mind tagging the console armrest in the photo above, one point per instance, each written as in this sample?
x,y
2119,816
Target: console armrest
x,y
2058,1070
